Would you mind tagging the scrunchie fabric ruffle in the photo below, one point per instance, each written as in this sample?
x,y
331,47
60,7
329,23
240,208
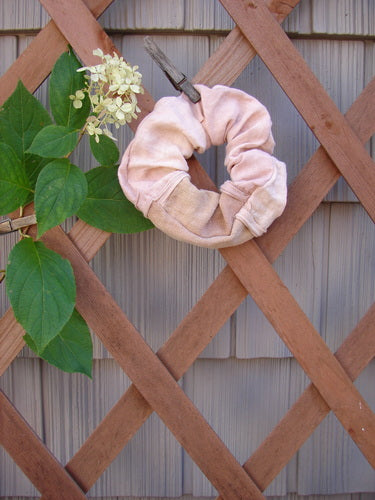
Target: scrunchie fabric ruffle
x,y
154,173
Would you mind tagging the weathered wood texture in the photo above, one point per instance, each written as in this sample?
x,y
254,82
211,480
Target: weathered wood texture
x,y
312,266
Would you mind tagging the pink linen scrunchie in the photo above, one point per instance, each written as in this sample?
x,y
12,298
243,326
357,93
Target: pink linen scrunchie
x,y
154,173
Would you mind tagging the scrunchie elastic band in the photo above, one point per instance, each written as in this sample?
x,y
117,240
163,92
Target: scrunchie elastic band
x,y
154,173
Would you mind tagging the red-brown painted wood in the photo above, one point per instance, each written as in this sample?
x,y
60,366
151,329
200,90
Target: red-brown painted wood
x,y
37,60
308,95
151,377
230,278
205,319
32,456
84,41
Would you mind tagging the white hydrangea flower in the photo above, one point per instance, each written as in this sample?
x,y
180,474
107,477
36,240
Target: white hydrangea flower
x,y
112,87
93,128
77,99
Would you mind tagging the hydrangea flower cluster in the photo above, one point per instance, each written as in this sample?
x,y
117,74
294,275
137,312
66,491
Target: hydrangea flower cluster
x,y
112,87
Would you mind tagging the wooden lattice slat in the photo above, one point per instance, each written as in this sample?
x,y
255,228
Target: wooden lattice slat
x,y
151,377
306,192
41,55
305,343
352,159
310,409
205,320
88,239
297,80
320,174
83,39
33,457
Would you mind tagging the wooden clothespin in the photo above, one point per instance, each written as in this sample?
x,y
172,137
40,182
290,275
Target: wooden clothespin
x,y
10,225
174,75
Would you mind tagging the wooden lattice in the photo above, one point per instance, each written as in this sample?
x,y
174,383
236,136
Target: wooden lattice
x,y
248,271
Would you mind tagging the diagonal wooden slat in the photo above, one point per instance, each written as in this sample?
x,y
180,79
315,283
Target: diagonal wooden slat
x,y
167,413
235,52
310,409
305,343
87,238
11,339
31,455
297,80
151,377
205,319
318,176
214,71
247,482
279,303
194,333
40,56
91,239
84,41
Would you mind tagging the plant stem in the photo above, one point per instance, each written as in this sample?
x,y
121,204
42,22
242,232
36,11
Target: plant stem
x,y
81,134
23,233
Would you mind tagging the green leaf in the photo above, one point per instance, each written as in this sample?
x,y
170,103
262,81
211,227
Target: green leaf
x,y
106,206
65,81
60,190
105,151
34,164
14,184
54,141
71,349
21,118
41,288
